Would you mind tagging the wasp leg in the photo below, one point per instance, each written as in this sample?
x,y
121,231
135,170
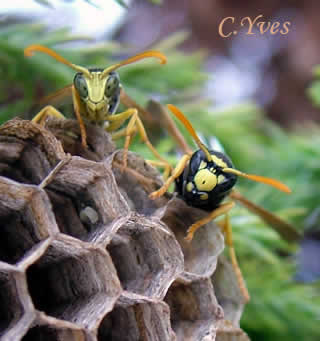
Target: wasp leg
x,y
222,209
145,139
134,124
116,121
48,110
76,105
175,174
165,165
121,133
226,228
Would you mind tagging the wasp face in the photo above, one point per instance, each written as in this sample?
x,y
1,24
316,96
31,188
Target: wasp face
x,y
101,95
203,183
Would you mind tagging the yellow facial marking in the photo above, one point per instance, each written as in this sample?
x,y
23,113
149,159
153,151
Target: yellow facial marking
x,y
202,165
221,178
189,187
204,196
219,161
96,87
205,180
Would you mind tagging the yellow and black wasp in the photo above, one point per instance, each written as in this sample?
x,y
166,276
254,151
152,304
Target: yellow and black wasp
x,y
95,94
204,178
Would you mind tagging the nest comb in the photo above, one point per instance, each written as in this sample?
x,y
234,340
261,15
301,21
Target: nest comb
x,y
86,255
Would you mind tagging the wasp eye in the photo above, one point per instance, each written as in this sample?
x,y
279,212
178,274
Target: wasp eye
x,y
112,84
81,85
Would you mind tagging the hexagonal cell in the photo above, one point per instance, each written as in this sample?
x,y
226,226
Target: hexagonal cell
x,y
51,329
194,310
201,254
73,281
144,318
147,257
85,199
68,215
25,219
28,151
16,311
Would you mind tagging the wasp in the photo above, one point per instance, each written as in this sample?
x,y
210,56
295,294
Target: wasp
x,y
204,179
95,94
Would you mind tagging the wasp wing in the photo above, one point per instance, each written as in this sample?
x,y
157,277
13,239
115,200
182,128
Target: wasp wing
x,y
56,99
284,229
128,102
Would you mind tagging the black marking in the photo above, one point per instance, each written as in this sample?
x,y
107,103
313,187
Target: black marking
x,y
95,69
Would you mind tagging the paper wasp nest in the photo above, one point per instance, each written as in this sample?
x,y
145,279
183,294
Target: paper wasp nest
x,y
86,255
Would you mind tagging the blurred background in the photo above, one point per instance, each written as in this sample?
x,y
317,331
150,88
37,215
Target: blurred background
x,y
261,89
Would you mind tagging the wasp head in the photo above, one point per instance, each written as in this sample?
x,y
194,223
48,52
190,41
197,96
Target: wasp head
x,y
203,183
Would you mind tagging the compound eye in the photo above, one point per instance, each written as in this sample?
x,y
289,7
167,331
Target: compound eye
x,y
195,161
112,84
81,85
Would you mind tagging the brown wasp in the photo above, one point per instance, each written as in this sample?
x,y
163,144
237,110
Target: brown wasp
x,y
95,94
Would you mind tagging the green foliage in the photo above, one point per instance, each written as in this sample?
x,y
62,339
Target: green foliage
x,y
279,309
283,309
